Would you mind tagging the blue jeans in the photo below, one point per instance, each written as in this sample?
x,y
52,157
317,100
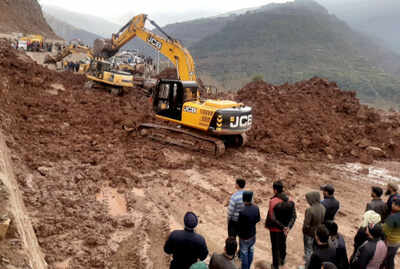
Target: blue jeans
x,y
246,251
308,248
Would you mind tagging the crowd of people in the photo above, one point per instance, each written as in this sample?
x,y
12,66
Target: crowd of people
x,y
71,66
375,244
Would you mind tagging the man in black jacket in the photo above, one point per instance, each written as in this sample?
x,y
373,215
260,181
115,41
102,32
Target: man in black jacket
x,y
248,218
186,246
323,253
337,242
280,219
331,204
377,204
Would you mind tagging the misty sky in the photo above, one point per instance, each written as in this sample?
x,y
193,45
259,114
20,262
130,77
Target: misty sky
x,y
110,9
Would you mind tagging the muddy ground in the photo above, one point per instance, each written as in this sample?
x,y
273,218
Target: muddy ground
x,y
98,197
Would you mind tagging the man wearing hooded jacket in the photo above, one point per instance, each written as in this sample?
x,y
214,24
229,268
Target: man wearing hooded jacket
x,y
280,219
313,218
186,246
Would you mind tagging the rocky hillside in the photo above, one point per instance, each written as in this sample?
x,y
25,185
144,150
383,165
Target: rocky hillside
x,y
296,41
23,16
92,24
69,32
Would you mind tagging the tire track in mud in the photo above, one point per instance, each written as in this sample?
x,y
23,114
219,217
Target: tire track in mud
x,y
22,220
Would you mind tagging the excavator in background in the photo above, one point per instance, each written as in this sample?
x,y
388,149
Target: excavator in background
x,y
71,49
205,125
103,70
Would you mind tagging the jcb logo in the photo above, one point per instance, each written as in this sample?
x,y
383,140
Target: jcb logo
x,y
243,121
154,43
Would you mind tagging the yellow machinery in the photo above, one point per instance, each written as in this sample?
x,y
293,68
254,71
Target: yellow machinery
x,y
96,69
34,42
71,49
210,124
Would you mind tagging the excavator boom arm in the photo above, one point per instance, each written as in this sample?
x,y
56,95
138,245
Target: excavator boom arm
x,y
170,48
71,49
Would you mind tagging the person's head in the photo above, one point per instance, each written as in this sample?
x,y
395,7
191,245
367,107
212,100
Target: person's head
x,y
391,188
332,228
230,246
262,265
240,183
327,190
277,187
370,217
322,235
396,205
328,265
190,220
247,197
375,231
376,192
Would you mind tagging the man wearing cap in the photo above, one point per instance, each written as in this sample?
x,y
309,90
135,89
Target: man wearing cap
x,y
391,190
391,228
186,246
248,218
331,204
235,206
377,204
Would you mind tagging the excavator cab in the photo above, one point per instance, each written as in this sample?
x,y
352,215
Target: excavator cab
x,y
170,95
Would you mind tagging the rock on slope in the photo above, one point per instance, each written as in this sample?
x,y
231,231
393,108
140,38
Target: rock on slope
x,y
23,16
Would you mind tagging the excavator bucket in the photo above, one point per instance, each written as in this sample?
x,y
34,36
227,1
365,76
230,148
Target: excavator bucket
x,y
49,60
103,48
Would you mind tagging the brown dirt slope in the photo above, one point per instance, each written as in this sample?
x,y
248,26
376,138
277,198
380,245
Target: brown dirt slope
x,y
314,118
99,198
23,16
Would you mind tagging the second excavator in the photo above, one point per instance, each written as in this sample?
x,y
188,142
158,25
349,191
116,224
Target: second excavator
x,y
205,125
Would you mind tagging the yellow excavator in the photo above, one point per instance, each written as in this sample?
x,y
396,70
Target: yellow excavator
x,y
206,125
97,69
71,49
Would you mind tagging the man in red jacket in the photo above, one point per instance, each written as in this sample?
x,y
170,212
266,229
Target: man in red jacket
x,y
280,219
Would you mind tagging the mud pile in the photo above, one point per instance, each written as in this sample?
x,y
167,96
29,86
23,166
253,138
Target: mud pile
x,y
314,118
23,16
67,142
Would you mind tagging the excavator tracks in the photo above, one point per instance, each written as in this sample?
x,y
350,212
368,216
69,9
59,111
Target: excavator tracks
x,y
182,137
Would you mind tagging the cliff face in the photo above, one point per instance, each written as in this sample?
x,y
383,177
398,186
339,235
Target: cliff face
x,y
23,16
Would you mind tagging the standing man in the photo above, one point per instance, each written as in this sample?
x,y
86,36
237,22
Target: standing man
x,y
391,228
377,204
337,242
186,245
331,204
280,219
323,252
391,190
248,218
314,217
235,206
225,260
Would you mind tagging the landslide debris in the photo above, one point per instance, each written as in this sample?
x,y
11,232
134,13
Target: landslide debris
x,y
66,144
315,119
23,16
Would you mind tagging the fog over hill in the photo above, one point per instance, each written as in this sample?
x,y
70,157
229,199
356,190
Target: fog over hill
x,y
377,18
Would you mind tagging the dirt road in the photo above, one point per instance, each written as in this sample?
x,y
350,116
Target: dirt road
x,y
21,218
